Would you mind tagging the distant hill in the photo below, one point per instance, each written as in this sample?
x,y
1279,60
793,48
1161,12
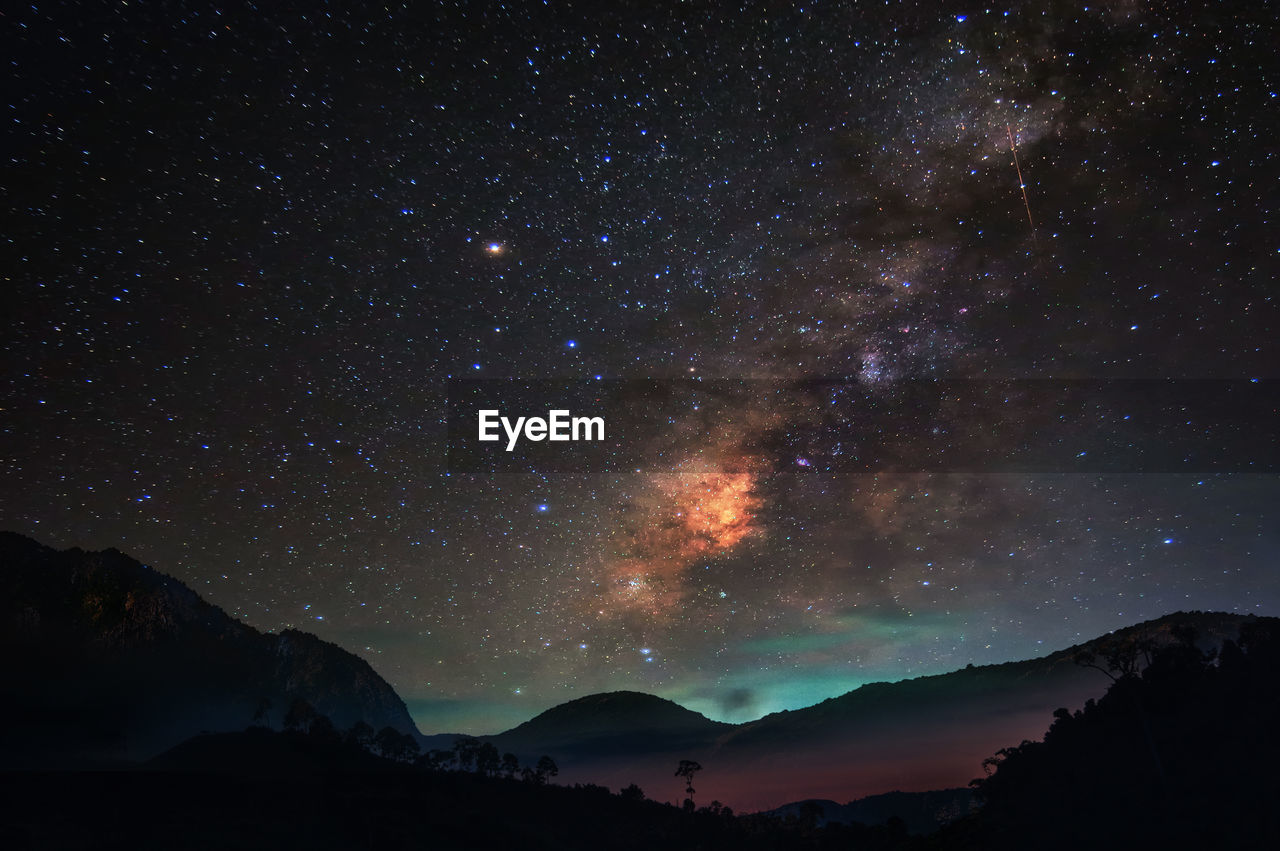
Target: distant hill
x,y
921,812
1179,757
108,660
618,722
914,735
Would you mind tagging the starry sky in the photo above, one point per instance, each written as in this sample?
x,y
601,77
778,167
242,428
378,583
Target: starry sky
x,y
247,250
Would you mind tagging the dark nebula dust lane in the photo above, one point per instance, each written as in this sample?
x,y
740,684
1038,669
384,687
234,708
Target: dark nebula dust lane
x,y
247,250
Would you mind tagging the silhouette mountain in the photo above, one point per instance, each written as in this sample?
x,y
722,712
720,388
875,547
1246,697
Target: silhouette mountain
x,y
112,661
108,660
1180,755
613,722
914,735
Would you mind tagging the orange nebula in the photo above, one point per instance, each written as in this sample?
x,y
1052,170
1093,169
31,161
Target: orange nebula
x,y
711,512
679,519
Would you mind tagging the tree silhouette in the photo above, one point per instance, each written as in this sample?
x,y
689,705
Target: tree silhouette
x,y
438,760
810,816
632,793
387,741
301,716
687,769
393,744
262,715
1118,656
322,728
510,764
1093,781
409,747
1123,660
466,750
719,809
360,735
488,760
545,768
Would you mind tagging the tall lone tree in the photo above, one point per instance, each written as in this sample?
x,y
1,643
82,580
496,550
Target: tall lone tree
x,y
687,769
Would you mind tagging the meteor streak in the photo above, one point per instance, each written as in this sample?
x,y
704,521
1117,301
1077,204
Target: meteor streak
x,y
1013,147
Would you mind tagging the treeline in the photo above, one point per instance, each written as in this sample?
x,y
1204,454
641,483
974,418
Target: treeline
x,y
445,794
1181,751
467,754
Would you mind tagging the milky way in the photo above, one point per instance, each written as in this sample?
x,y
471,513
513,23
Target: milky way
x,y
247,251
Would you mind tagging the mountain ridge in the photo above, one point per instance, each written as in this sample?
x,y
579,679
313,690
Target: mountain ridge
x,y
119,661
1063,657
114,661
913,735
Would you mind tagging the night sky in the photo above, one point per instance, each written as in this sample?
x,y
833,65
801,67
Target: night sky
x,y
246,250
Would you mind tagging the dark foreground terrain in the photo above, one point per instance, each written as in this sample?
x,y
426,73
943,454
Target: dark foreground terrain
x,y
383,808
1179,753
109,663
